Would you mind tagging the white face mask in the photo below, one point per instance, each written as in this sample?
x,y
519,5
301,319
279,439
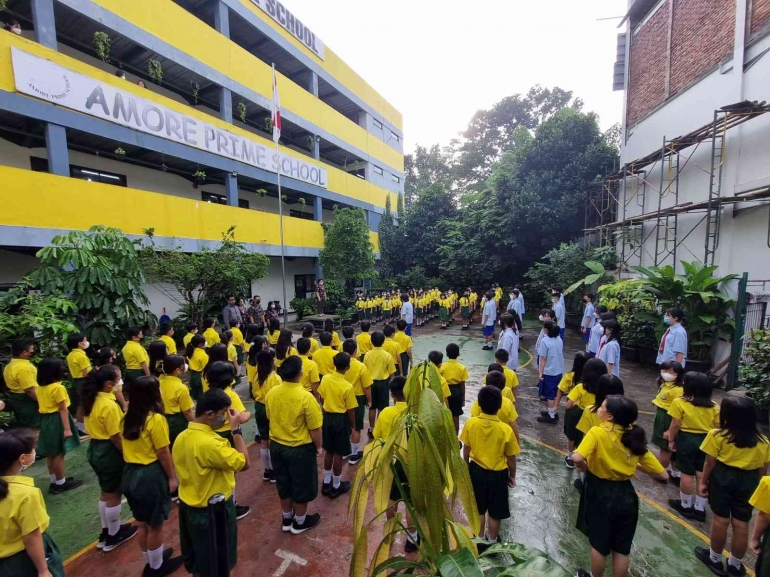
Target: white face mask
x,y
541,318
186,367
119,383
86,344
668,377
25,467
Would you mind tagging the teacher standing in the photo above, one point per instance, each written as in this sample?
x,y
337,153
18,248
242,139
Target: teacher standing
x,y
320,293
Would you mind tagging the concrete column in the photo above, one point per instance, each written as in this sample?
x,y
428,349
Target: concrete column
x,y
316,147
313,84
222,19
44,22
56,145
226,104
318,217
231,189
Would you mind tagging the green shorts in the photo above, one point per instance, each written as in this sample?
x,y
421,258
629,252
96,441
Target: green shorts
x,y
176,424
296,471
360,412
336,433
465,312
239,354
491,490
196,384
399,477
730,489
405,363
689,458
456,400
146,490
25,410
659,426
20,564
107,462
260,416
380,394
608,514
443,314
571,419
194,537
51,440
74,393
129,376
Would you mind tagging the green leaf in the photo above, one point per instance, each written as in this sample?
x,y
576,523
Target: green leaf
x,y
536,567
460,563
596,267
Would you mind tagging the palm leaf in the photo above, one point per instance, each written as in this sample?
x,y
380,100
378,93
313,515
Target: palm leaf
x,y
459,563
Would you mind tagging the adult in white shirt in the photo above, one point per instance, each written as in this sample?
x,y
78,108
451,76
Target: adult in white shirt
x,y
488,318
521,300
561,312
407,313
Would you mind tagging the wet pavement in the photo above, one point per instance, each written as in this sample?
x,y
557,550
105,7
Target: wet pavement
x,y
543,505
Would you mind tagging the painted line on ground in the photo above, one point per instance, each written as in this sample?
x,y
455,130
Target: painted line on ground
x,y
528,360
288,558
537,399
697,532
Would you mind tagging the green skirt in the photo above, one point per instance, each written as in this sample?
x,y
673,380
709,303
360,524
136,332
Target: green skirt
x,y
107,462
443,314
176,424
20,564
336,433
25,410
405,363
146,490
74,393
659,426
689,457
608,514
571,419
465,312
194,537
51,440
260,416
239,354
129,376
196,384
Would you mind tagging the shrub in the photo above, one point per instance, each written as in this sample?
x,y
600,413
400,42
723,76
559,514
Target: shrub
x,y
754,372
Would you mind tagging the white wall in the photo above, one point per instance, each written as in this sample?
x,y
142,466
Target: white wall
x,y
14,265
270,287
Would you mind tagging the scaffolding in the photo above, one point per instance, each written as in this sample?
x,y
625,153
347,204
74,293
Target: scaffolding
x,y
607,212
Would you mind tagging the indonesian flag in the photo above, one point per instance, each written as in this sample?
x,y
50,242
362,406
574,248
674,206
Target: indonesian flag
x,y
276,110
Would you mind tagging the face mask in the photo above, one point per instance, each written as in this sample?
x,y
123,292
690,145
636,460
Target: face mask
x,y
86,344
541,318
32,461
668,377
218,422
666,320
596,316
186,367
16,30
119,383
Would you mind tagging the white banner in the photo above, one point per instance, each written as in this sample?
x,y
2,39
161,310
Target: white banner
x,y
292,24
48,81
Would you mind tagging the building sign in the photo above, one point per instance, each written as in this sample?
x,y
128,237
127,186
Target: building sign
x,y
292,24
48,81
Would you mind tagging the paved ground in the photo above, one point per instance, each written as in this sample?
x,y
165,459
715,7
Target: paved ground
x,y
543,505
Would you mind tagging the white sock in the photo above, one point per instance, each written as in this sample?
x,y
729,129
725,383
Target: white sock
x,y
60,481
146,556
569,454
686,500
735,562
265,454
700,503
412,536
337,480
353,448
299,519
676,474
715,557
551,413
112,514
155,557
103,513
288,515
53,477
327,476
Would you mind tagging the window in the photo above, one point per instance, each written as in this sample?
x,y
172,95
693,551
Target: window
x,y
377,124
303,284
377,169
301,214
394,136
395,179
89,174
219,199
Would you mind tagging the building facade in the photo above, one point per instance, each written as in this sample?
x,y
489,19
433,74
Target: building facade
x,y
156,114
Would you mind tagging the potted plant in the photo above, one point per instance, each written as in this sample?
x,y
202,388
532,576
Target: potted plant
x,y
303,307
199,177
241,109
628,299
155,71
754,371
120,154
102,45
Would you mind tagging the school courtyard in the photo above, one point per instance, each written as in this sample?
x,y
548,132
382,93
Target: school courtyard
x,y
543,504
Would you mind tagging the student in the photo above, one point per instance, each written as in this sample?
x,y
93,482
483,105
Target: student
x,y
258,343
760,538
393,348
405,342
205,465
609,506
568,382
521,301
588,321
295,443
506,390
157,352
26,549
108,356
456,376
443,310
488,318
166,332
273,331
178,406
511,379
136,358
509,341
608,385
148,475
669,388
673,344
192,330
210,333
217,353
560,311
693,415
21,379
252,330
265,379
609,349
465,310
545,315
420,309
736,459
79,366
490,449
437,358
358,376
58,435
551,368
387,307
283,348
382,368
596,332
238,342
103,420
310,376
364,340
196,353
324,357
580,397
347,333
232,353
329,328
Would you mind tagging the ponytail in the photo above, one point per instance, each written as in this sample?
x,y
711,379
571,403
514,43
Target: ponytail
x,y
93,384
158,351
194,343
635,440
13,444
624,414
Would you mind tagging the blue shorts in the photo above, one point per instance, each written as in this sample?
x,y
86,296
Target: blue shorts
x,y
561,334
408,330
587,335
489,331
550,385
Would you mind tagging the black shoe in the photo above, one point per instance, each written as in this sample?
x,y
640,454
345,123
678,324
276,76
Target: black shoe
x,y
699,516
268,475
410,547
68,484
544,413
486,348
341,490
548,419
286,524
167,553
677,481
578,484
102,539
257,438
733,572
310,522
704,555
355,459
167,567
569,463
326,489
241,511
125,533
582,573
686,512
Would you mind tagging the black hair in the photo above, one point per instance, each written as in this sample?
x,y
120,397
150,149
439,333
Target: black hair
x,y
164,328
495,367
157,351
577,367
74,340
120,73
303,346
378,338
172,363
217,353
93,384
388,331
145,399
600,310
508,320
436,357
592,372
614,326
50,371
590,296
192,327
625,413
396,387
290,369
347,332
608,316
106,356
325,338
676,313
490,399
252,331
400,325
502,355
554,331
738,422
350,346
365,326
212,400
133,332
671,366
548,326
265,363
274,324
607,385
283,345
257,344
342,361
452,350
226,337
195,343
220,376
13,444
697,389
20,345
496,378
307,330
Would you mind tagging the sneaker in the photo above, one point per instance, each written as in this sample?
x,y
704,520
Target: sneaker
x,y
355,459
677,481
267,475
582,573
286,524
345,457
102,539
548,419
733,572
699,516
686,512
410,547
341,490
570,464
167,567
578,484
486,348
371,432
704,555
175,496
125,533
310,522
68,484
326,489
241,511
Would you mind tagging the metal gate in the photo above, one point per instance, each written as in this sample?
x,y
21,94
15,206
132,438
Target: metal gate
x,y
754,318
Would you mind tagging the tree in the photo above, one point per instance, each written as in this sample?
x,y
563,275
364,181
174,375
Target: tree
x,y
100,272
348,253
425,227
200,281
387,235
426,167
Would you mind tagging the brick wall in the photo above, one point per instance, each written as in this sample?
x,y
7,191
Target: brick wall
x,y
760,14
647,72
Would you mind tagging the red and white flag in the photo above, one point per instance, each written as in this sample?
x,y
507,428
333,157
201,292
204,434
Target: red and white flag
x,y
276,110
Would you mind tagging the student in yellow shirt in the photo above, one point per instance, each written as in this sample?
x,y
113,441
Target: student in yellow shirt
x,y
358,376
178,406
760,539
361,306
26,549
307,333
216,354
669,388
329,328
405,342
265,379
148,476
511,378
387,309
490,449
736,459
58,435
192,330
339,419
507,413
295,443
157,353
456,376
443,310
205,465
393,348
283,349
211,334
166,332
364,339
108,356
693,415
437,358
104,420
465,310
258,343
324,357
569,381
609,506
232,353
79,366
237,341
310,376
273,331
581,396
136,358
196,353
21,379
381,367
608,385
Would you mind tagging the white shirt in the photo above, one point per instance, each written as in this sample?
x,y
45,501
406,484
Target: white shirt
x,y
561,314
521,301
589,314
509,340
596,334
490,313
407,311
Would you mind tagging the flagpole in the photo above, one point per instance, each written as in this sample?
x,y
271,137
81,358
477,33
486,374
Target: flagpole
x,y
280,205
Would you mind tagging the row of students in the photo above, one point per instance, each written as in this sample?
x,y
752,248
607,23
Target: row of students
x,y
379,307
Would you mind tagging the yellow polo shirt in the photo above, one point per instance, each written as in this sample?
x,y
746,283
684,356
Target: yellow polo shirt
x,y
759,500
260,391
404,340
273,337
454,372
337,393
393,348
232,354
364,341
567,383
154,436
491,441
666,395
609,459
187,338
336,343
20,375
694,419
588,420
293,413
314,346
380,364
49,397
464,301
324,358
581,397
237,337
205,465
387,418
106,418
199,360
78,362
235,403
309,373
717,445
358,376
170,344
175,395
21,512
134,355
508,394
292,352
506,414
212,337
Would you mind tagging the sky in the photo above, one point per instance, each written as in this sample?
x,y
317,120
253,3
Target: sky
x,y
438,62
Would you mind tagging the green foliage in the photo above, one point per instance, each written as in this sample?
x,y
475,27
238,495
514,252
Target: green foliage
x,y
337,297
100,272
413,278
387,234
303,307
155,71
195,88
754,373
200,281
102,45
348,253
562,265
241,109
427,221
634,307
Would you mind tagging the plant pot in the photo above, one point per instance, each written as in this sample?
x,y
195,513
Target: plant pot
x,y
630,354
697,366
647,356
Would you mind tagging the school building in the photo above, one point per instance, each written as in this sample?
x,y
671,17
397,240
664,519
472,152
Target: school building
x,y
189,152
